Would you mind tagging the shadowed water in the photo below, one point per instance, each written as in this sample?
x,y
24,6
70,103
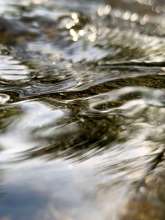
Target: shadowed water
x,y
82,110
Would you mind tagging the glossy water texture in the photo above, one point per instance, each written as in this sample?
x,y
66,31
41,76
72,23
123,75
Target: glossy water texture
x,y
82,110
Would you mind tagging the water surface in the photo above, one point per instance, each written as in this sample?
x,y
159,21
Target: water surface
x,y
82,110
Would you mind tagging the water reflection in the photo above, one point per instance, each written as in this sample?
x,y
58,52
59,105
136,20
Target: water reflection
x,y
85,167
82,110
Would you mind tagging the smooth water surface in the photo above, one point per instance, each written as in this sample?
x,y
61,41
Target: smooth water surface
x,y
82,110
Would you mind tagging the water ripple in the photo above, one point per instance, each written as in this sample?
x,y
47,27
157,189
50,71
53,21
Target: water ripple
x,y
82,97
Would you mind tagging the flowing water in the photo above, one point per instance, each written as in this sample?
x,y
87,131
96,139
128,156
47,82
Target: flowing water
x,y
82,110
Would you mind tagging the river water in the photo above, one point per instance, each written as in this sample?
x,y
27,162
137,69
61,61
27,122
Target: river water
x,y
82,110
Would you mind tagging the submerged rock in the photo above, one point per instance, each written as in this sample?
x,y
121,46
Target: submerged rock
x,y
148,201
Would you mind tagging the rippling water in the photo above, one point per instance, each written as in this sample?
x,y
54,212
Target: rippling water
x,y
82,115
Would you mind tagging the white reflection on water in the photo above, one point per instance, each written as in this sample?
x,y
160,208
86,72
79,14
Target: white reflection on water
x,y
58,190
33,116
13,70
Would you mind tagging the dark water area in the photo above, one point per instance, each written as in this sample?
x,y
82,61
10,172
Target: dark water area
x,y
82,110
